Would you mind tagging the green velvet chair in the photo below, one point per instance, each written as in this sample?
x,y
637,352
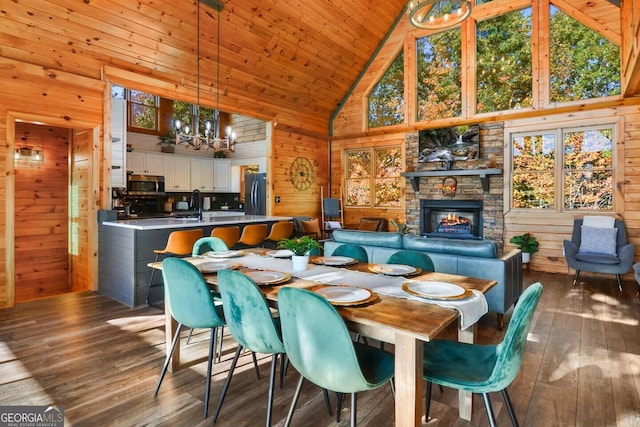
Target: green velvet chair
x,y
319,346
192,305
201,246
412,258
252,325
483,368
353,251
208,244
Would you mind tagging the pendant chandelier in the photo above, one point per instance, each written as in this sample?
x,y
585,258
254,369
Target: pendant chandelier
x,y
438,14
210,139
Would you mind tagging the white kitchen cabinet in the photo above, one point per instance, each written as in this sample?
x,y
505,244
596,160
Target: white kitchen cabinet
x,y
118,143
202,174
235,179
221,175
145,163
177,174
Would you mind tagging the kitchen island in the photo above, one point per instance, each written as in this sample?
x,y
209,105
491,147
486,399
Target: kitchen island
x,y
126,247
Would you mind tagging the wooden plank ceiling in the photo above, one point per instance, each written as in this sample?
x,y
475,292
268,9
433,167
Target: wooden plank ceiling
x,y
290,61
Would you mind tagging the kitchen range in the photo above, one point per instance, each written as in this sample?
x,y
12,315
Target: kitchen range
x,y
145,197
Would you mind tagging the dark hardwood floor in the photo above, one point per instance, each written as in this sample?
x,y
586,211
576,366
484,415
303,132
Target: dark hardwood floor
x,y
100,360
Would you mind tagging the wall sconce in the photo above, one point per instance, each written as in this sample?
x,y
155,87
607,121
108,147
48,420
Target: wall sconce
x,y
28,154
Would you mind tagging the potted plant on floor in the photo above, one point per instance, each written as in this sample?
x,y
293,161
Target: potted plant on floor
x,y
527,243
301,248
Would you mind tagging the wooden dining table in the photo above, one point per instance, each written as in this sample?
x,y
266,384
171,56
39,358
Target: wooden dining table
x,y
405,323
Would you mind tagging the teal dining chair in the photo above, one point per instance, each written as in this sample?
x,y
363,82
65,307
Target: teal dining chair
x,y
319,347
208,244
412,258
483,368
252,325
201,246
352,251
192,305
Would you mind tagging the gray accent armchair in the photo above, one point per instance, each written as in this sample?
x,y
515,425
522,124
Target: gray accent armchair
x,y
599,263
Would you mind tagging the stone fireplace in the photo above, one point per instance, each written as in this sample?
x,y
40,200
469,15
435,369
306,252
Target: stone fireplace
x,y
478,180
453,219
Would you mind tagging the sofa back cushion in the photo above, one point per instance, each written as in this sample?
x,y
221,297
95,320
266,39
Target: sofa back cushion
x,y
472,248
369,238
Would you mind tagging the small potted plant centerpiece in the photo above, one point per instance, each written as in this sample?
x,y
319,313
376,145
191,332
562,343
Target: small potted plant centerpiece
x,y
527,243
301,248
167,142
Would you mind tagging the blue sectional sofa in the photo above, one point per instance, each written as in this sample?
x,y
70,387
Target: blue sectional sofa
x,y
473,258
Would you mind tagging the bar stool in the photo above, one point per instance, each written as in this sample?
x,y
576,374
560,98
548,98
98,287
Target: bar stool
x,y
229,235
279,230
252,235
179,243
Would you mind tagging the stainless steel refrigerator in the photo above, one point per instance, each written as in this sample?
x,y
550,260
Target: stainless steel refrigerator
x,y
255,194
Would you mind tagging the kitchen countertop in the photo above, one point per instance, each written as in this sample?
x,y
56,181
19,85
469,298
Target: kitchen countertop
x,y
163,223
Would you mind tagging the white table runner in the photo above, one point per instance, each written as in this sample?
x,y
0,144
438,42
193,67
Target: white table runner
x,y
471,309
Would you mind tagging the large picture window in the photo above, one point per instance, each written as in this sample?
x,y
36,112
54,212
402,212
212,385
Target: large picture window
x,y
373,177
563,169
439,86
503,62
583,64
386,100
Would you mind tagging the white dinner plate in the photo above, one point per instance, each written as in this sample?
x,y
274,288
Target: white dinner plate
x,y
224,254
282,253
393,269
345,295
436,290
214,267
268,277
337,260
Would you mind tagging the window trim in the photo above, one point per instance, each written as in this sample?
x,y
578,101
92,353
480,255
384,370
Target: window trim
x,y
372,176
568,122
157,106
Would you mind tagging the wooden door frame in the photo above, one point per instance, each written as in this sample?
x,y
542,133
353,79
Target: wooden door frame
x,y
94,130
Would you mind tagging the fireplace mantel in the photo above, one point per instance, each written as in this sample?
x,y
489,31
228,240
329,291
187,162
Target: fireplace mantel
x,y
481,173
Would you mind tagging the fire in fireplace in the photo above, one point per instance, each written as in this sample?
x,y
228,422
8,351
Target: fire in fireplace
x,y
460,219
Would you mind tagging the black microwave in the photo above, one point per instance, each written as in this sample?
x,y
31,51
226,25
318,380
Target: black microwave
x,y
145,185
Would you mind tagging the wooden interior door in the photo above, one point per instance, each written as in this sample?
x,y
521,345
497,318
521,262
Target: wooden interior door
x,y
41,213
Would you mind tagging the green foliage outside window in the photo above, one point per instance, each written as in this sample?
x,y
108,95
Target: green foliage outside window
x,y
143,110
358,172
374,183
583,64
588,169
504,72
388,186
587,163
533,171
386,101
186,113
439,87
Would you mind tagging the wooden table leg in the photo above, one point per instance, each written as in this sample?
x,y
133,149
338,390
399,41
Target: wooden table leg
x,y
464,397
408,381
170,327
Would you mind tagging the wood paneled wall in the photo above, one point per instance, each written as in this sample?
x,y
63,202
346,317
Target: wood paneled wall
x,y
551,227
352,215
40,224
34,94
286,147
